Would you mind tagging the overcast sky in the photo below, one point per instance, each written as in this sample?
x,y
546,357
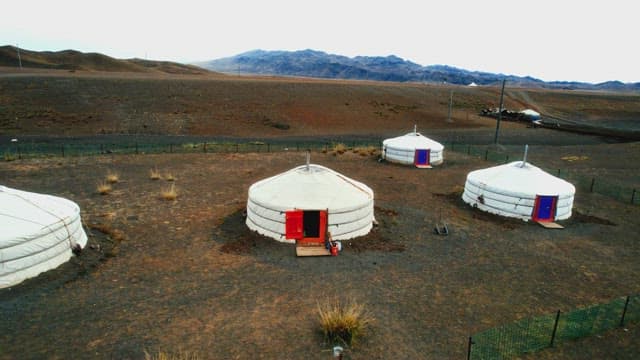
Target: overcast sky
x,y
590,41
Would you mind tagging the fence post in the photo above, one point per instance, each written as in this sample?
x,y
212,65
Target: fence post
x,y
170,148
468,149
204,147
19,153
486,154
101,148
558,172
136,148
624,312
593,181
268,147
469,348
555,328
62,148
452,145
506,159
633,194
236,147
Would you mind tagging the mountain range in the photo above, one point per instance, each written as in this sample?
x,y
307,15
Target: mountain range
x,y
75,60
318,64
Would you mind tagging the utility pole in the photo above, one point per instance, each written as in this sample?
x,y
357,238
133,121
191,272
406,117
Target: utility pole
x,y
19,59
450,105
495,139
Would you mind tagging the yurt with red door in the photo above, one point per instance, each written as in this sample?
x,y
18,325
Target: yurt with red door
x,y
38,233
302,204
519,190
413,149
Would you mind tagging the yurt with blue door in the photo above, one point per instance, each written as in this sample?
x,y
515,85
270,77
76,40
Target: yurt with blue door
x,y
37,233
413,149
302,204
519,190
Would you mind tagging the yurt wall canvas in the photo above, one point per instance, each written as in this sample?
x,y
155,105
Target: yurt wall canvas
x,y
413,149
38,234
305,202
524,192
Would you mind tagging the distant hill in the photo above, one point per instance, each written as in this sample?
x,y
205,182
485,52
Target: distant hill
x,y
311,63
76,60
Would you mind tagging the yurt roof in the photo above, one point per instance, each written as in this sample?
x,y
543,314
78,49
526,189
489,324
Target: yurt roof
x,y
413,140
25,215
530,112
513,179
314,187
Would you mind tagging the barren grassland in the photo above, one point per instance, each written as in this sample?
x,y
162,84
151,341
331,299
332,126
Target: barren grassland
x,y
188,275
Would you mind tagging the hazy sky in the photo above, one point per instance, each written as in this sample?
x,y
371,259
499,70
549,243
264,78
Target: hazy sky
x,y
590,41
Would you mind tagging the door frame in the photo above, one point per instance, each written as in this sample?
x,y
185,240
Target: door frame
x,y
427,158
552,212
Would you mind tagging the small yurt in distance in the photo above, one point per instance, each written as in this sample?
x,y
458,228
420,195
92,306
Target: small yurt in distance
x,y
307,201
519,190
413,149
37,233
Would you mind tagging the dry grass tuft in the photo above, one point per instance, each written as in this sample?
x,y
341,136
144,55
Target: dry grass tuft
x,y
169,177
339,149
9,157
112,178
154,174
346,323
169,193
104,188
180,355
366,150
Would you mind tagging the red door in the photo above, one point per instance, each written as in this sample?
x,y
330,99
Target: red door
x,y
308,226
293,224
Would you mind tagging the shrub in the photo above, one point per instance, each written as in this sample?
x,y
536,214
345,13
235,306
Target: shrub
x,y
9,157
339,149
112,178
365,150
154,174
169,177
104,188
344,322
169,193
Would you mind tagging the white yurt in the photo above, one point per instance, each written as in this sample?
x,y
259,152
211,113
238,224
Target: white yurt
x,y
530,114
306,202
413,149
38,233
519,190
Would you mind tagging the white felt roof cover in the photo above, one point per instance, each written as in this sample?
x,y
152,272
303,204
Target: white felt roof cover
x,y
37,233
316,188
516,180
413,141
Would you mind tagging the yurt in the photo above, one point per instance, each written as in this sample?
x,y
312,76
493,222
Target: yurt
x,y
413,149
38,233
307,201
519,190
530,114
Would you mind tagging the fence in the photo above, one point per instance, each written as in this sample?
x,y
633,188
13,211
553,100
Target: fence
x,y
42,149
56,149
582,183
530,335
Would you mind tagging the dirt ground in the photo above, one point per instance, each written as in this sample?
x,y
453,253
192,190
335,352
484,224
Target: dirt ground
x,y
188,274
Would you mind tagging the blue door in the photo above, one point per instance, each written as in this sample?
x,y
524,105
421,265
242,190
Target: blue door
x,y
545,208
421,157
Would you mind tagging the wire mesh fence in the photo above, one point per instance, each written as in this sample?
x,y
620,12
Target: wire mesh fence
x,y
533,334
24,150
28,150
